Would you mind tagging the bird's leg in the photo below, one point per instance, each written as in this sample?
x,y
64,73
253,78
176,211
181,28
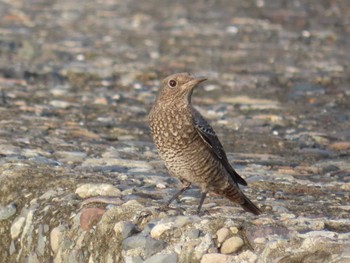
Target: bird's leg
x,y
183,189
204,194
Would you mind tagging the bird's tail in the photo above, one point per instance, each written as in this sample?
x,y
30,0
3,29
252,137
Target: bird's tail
x,y
249,206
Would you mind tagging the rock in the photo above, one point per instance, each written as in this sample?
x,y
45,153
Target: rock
x,y
162,258
118,162
279,209
125,229
7,211
43,160
231,245
150,245
313,234
7,149
204,246
340,146
60,104
234,229
315,153
90,216
70,157
223,234
246,256
130,259
305,89
304,223
159,229
88,190
17,227
56,237
217,258
193,234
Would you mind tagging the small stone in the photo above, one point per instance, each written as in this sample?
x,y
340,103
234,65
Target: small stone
x,y
279,209
125,229
231,245
130,259
204,246
340,146
222,234
90,216
17,227
88,190
60,104
101,101
56,237
161,186
150,245
182,220
217,258
72,157
259,240
320,233
162,258
43,160
193,234
246,256
7,211
234,230
345,186
159,229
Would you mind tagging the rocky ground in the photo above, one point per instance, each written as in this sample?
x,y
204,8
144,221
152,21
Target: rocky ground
x,y
77,79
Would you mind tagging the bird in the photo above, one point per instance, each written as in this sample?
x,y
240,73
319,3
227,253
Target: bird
x,y
189,146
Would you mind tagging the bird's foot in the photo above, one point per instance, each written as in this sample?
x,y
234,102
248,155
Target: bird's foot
x,y
202,213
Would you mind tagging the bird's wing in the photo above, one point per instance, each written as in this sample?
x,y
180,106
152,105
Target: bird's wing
x,y
208,135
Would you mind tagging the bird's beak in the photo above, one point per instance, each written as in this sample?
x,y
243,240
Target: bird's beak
x,y
195,81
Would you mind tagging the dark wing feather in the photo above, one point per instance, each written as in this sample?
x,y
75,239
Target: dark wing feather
x,y
208,135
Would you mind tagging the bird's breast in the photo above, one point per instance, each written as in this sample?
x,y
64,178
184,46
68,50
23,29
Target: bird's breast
x,y
172,129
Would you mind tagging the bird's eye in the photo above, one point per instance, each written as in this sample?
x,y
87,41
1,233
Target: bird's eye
x,y
172,83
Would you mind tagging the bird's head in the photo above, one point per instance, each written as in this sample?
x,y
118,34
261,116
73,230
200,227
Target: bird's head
x,y
177,88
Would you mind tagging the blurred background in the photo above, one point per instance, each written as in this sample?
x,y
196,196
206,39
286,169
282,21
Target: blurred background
x,y
286,59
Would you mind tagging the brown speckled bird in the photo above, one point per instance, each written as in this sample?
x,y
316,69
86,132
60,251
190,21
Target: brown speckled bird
x,y
189,146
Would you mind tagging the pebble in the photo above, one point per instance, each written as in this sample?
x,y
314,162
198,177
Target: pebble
x,y
56,237
60,104
279,209
70,157
43,160
89,190
90,217
246,256
117,162
223,234
17,227
159,229
150,245
216,258
131,259
162,258
193,234
340,146
234,229
7,211
231,245
125,229
206,243
322,233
